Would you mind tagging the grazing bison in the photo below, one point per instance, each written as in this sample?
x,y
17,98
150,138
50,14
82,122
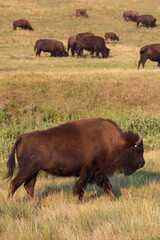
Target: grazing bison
x,y
113,36
92,44
72,40
147,20
23,24
56,48
151,52
130,15
81,12
91,149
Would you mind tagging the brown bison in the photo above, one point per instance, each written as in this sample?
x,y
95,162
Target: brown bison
x,y
147,20
56,48
72,44
130,15
113,36
23,24
92,44
72,40
81,12
91,149
151,52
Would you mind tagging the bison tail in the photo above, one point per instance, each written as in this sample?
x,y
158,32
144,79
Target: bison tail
x,y
11,159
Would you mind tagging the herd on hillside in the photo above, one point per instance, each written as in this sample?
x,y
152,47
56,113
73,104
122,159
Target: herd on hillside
x,y
94,44
91,149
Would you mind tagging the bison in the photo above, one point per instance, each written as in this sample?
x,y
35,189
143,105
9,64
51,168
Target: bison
x,y
72,44
113,36
147,20
56,48
72,40
151,52
130,15
23,24
81,12
91,149
92,44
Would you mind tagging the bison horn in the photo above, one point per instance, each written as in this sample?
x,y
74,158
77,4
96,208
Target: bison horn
x,y
139,140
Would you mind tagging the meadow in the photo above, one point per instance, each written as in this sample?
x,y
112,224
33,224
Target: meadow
x,y
41,92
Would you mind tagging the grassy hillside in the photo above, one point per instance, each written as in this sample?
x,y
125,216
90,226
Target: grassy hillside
x,y
37,93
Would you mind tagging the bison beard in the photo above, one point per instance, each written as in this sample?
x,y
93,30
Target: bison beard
x,y
91,149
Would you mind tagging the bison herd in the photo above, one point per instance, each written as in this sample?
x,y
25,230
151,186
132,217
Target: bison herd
x,y
91,149
90,42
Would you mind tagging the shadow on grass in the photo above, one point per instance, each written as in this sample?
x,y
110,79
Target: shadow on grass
x,y
139,179
146,26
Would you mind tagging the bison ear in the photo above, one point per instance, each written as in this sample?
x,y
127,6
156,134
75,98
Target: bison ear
x,y
139,140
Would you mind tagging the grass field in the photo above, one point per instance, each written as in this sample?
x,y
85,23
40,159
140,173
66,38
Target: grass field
x,y
37,93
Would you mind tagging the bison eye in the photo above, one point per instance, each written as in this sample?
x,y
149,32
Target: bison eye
x,y
135,146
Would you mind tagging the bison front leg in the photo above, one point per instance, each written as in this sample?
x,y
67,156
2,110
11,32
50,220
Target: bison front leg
x,y
106,186
82,183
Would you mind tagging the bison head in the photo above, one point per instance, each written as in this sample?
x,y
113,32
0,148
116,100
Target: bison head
x,y
134,157
65,53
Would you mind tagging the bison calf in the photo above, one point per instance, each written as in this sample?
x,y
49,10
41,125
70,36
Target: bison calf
x,y
151,52
81,12
91,149
56,48
113,36
23,24
147,20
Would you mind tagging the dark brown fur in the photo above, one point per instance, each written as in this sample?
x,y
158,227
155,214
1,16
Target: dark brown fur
x,y
81,12
56,48
92,44
91,149
113,36
72,44
147,20
23,24
72,41
151,52
130,15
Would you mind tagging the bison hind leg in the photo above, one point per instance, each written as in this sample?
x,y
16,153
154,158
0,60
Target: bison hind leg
x,y
29,185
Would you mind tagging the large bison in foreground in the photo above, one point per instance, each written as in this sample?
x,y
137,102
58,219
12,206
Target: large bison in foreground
x,y
147,20
91,149
23,24
56,48
92,44
151,52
